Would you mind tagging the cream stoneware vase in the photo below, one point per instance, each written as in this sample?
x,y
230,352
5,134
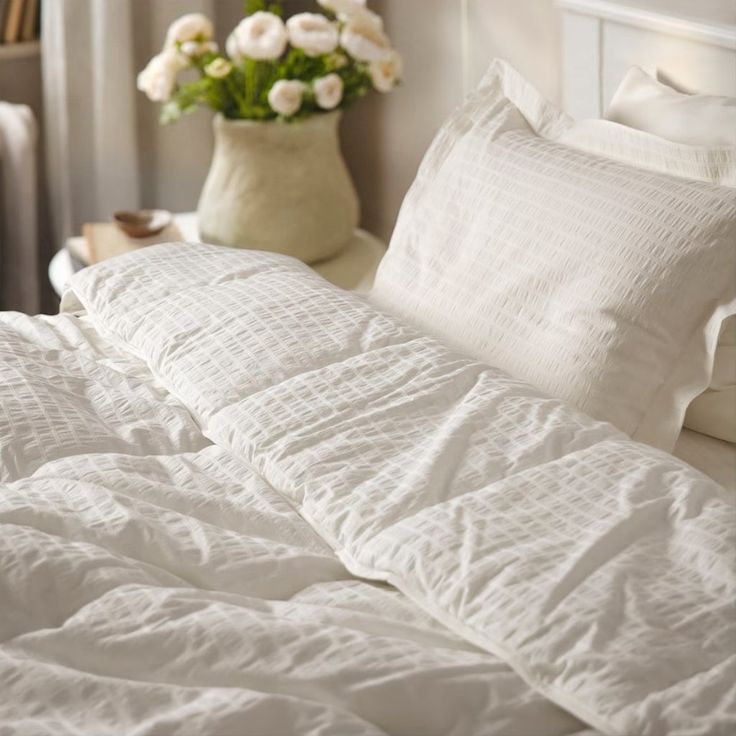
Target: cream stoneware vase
x,y
281,187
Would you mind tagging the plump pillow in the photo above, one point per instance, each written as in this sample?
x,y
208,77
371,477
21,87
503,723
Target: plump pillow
x,y
643,103
598,282
708,121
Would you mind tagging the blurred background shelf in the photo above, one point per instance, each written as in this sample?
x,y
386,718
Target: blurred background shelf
x,y
20,51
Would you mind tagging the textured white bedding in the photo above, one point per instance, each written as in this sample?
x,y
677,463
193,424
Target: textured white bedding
x,y
158,574
177,592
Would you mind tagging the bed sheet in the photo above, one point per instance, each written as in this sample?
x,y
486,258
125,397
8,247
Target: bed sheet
x,y
714,457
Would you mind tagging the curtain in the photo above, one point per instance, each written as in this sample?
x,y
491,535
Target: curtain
x,y
104,151
19,252
89,87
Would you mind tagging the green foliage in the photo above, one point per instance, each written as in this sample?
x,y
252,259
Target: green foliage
x,y
253,6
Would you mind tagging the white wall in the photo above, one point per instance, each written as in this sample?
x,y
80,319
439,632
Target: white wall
x,y
384,137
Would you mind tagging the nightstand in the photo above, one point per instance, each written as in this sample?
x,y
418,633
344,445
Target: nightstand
x,y
353,269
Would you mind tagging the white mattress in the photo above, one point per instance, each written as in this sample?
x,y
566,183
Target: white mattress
x,y
242,501
714,457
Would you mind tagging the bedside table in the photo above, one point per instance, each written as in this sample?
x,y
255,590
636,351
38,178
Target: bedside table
x,y
353,269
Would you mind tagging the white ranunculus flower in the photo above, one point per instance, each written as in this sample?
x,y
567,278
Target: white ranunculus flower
x,y
231,47
328,91
195,49
364,40
260,36
312,33
285,97
190,27
338,60
342,6
157,80
386,72
346,10
218,68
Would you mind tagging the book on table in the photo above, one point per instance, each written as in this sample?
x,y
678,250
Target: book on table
x,y
105,240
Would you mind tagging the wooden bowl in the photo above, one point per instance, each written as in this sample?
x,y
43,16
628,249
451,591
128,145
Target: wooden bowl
x,y
142,223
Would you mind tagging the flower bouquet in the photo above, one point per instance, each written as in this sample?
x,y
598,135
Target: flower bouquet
x,y
277,180
311,63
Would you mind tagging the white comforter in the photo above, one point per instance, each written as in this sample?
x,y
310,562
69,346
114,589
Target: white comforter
x,y
209,479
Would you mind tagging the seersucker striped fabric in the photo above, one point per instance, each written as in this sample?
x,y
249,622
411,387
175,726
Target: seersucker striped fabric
x,y
598,568
597,282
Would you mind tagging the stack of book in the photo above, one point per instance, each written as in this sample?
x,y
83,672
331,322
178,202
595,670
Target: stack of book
x,y
103,240
20,20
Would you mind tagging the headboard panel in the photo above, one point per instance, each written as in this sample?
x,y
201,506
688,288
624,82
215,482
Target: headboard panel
x,y
690,44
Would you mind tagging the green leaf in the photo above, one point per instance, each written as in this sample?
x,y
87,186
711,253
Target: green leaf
x,y
272,6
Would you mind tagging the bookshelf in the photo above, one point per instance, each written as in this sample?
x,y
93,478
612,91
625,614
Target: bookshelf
x,y
21,50
20,53
19,21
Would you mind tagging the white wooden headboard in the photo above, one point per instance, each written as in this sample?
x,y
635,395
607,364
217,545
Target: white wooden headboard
x,y
690,44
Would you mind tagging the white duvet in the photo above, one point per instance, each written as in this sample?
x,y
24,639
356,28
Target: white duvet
x,y
236,500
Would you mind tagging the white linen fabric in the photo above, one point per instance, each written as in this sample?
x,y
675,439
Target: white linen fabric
x,y
600,283
151,582
644,103
714,457
598,569
706,121
714,411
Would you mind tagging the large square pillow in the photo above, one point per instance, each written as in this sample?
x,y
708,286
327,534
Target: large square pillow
x,y
596,281
706,121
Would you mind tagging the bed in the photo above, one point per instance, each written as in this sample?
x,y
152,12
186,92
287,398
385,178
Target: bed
x,y
238,500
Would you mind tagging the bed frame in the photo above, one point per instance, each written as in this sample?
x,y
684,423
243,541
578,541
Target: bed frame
x,y
689,44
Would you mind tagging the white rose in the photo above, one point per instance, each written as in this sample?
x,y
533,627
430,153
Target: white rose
x,y
218,68
312,33
285,97
346,10
259,36
191,27
364,40
328,91
157,80
195,49
386,72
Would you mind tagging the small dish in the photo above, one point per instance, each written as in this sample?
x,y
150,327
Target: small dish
x,y
142,223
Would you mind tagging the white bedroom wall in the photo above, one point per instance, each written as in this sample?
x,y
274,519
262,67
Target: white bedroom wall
x,y
384,137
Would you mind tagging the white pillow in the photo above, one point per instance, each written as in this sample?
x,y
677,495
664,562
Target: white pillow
x,y
699,120
600,283
643,103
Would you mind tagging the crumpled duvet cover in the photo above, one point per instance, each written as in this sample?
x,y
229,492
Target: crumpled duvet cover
x,y
236,500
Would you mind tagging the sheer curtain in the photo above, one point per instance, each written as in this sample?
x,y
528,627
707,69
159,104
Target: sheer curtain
x,y
104,151
89,88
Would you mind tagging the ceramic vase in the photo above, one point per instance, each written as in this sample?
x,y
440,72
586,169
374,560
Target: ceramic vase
x,y
280,187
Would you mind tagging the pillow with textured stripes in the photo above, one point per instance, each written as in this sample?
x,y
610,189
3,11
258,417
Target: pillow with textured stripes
x,y
597,281
706,121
